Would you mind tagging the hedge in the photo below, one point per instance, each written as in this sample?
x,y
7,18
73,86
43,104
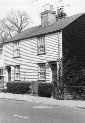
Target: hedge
x,y
19,87
45,89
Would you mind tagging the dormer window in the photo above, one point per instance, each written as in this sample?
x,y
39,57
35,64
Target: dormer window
x,y
16,49
41,45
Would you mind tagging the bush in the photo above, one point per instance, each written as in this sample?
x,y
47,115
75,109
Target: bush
x,y
19,87
45,89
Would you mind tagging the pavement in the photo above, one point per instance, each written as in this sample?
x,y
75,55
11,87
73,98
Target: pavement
x,y
43,100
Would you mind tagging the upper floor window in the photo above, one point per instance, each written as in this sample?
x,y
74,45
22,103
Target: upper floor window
x,y
42,72
41,45
16,49
17,72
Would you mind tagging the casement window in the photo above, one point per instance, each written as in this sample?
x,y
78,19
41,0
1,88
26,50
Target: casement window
x,y
1,72
41,45
42,72
16,49
0,53
17,72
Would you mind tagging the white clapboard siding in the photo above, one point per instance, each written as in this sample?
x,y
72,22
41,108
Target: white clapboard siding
x,y
28,53
52,47
52,52
29,59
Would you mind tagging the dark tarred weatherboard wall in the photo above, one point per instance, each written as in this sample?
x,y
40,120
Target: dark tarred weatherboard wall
x,y
74,41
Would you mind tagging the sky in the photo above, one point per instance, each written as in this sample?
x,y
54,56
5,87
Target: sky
x,y
34,7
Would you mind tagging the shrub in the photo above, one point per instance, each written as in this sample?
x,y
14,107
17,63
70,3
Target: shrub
x,y
45,89
20,87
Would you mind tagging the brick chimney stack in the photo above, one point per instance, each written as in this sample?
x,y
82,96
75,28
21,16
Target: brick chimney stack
x,y
48,17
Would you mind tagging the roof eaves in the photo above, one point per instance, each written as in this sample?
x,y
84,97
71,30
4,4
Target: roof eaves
x,y
36,31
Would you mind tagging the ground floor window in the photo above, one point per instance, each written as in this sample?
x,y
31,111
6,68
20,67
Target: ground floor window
x,y
17,72
42,72
1,72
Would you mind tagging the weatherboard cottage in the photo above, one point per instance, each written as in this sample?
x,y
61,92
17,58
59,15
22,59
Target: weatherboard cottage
x,y
33,54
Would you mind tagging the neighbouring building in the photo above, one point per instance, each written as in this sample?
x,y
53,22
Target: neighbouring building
x,y
34,54
1,66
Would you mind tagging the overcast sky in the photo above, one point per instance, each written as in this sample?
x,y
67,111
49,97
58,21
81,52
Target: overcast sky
x,y
34,8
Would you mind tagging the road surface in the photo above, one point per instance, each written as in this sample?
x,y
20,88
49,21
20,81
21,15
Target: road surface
x,y
26,112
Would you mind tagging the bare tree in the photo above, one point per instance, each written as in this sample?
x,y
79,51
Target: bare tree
x,y
3,38
15,22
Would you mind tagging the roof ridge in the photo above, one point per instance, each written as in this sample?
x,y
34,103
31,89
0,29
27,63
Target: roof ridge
x,y
38,30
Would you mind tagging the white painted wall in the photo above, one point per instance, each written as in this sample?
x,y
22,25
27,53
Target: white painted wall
x,y
1,59
28,57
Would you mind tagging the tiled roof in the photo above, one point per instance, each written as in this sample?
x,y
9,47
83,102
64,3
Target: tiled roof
x,y
38,30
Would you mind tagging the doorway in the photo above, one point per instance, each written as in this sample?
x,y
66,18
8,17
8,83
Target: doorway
x,y
54,72
9,73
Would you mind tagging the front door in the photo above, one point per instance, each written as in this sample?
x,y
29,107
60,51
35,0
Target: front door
x,y
54,72
9,74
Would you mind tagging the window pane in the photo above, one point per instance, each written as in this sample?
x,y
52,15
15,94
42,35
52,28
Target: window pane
x,y
42,67
16,49
16,45
16,53
42,72
17,69
41,45
42,75
17,72
17,76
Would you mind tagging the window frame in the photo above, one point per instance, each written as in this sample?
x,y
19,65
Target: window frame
x,y
16,72
16,49
38,39
39,77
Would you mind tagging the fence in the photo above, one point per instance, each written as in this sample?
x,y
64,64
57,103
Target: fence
x,y
69,92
